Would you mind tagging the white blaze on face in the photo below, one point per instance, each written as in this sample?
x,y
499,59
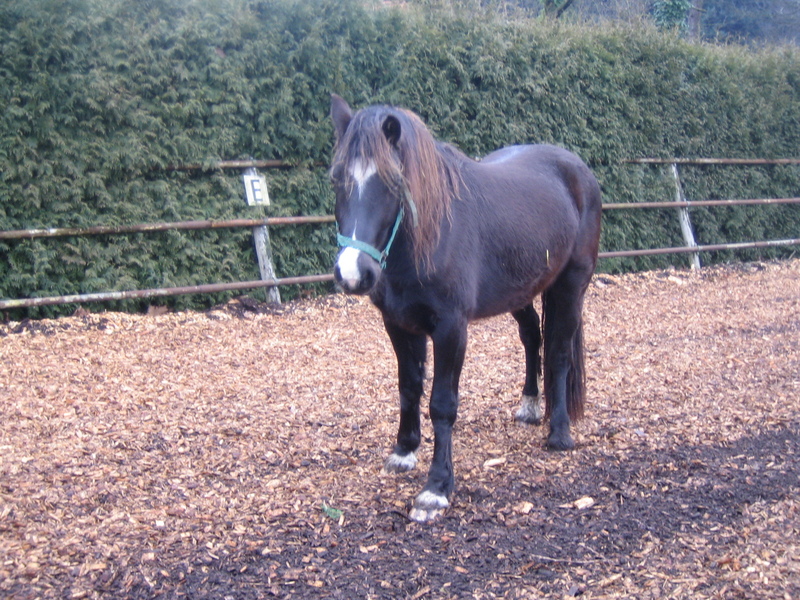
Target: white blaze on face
x,y
348,258
348,264
362,172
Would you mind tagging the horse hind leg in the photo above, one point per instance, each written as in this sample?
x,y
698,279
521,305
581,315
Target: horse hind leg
x,y
564,377
530,410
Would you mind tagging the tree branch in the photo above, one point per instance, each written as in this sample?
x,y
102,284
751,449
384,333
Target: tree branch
x,y
563,7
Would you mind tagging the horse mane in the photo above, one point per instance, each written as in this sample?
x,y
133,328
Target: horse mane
x,y
414,166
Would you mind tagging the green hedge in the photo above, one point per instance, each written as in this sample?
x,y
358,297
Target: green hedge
x,y
99,97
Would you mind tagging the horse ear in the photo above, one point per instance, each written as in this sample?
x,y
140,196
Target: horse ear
x,y
391,129
340,115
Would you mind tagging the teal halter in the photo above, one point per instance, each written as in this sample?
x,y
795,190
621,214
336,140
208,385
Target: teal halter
x,y
348,242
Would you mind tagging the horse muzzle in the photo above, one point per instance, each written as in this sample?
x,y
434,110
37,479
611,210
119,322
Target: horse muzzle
x,y
356,272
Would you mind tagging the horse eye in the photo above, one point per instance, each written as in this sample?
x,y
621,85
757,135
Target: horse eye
x,y
337,175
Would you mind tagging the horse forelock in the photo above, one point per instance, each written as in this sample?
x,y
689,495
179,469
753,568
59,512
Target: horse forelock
x,y
414,166
364,142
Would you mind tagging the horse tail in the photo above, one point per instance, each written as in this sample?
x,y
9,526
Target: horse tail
x,y
576,381
554,325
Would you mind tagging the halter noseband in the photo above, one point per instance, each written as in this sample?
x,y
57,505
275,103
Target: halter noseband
x,y
348,242
369,250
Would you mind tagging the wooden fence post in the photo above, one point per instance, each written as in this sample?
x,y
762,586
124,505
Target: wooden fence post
x,y
255,186
685,220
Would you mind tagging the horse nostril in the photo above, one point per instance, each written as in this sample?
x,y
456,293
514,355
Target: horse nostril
x,y
368,280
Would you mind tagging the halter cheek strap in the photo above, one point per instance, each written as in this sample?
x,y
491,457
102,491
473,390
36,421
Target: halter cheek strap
x,y
380,257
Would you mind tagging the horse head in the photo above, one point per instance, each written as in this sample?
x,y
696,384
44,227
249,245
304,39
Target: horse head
x,y
389,177
367,180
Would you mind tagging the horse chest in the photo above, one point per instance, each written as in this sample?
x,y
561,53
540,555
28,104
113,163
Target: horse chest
x,y
408,307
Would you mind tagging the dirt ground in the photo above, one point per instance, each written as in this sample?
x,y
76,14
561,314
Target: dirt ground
x,y
236,454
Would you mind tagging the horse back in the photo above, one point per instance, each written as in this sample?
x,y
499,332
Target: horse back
x,y
539,185
533,210
542,165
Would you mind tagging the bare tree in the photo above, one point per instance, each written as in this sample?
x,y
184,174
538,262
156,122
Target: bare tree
x,y
555,8
694,24
614,10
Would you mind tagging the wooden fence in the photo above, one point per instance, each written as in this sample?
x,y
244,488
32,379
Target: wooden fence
x,y
681,204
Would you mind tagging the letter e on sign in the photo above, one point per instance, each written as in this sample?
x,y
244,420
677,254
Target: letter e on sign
x,y
255,187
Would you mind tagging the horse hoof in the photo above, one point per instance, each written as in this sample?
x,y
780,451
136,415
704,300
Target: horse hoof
x,y
560,442
428,507
530,411
400,464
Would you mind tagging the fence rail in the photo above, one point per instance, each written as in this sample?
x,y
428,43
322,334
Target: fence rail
x,y
682,205
699,203
233,164
713,161
704,248
18,234
153,227
209,288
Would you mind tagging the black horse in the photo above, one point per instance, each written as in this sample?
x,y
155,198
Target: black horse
x,y
437,239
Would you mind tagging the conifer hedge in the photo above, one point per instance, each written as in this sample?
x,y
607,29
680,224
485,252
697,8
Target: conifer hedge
x,y
99,97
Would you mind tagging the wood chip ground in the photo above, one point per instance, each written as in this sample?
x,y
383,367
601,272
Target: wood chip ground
x,y
236,454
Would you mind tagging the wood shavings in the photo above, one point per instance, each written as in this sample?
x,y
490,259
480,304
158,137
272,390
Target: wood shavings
x,y
193,454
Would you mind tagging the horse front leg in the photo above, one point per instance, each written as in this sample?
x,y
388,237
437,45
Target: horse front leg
x,y
410,350
449,347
